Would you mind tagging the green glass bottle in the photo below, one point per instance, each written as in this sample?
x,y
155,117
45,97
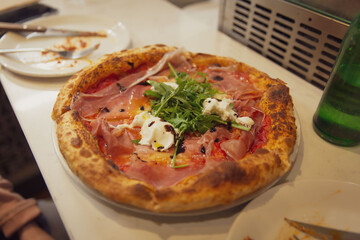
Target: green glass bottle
x,y
337,118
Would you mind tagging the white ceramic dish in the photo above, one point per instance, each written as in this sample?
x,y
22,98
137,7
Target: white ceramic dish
x,y
323,202
37,64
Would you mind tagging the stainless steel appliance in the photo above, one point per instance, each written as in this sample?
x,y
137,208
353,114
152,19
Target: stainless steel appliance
x,y
302,36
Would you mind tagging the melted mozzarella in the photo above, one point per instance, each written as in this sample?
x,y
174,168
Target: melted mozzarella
x,y
246,121
223,108
220,107
140,119
158,134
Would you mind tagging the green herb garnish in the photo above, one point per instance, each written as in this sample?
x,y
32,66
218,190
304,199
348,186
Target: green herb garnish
x,y
183,106
136,141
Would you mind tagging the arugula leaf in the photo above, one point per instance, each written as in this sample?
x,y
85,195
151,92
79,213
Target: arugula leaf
x,y
136,141
183,106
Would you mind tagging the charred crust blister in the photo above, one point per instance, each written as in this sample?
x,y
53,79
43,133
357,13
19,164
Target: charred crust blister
x,y
164,194
261,151
76,142
226,172
141,192
279,93
85,153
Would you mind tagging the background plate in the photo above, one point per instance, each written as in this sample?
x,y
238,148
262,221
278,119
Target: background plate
x,y
324,202
37,64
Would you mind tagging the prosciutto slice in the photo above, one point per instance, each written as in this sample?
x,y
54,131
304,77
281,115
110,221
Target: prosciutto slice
x,y
176,58
116,145
237,148
237,143
120,105
208,139
158,176
236,84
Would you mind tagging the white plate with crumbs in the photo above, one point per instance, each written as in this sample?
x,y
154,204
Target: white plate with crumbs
x,y
322,202
42,64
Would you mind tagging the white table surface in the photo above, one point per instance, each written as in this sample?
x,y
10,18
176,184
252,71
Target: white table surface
x,y
151,22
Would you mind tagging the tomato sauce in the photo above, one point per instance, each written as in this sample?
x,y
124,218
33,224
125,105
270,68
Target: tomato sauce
x,y
217,152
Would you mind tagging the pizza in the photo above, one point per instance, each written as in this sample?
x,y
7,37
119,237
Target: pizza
x,y
166,130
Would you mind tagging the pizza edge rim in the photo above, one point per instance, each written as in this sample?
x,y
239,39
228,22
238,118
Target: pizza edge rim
x,y
222,185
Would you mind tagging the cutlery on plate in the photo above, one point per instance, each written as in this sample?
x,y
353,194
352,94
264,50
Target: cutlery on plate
x,y
30,31
323,233
61,53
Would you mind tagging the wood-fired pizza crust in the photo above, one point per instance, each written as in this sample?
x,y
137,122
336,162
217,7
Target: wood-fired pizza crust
x,y
224,184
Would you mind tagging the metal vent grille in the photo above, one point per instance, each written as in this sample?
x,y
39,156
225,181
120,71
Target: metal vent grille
x,y
302,41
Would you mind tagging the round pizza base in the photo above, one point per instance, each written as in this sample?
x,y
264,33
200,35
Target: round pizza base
x,y
203,193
